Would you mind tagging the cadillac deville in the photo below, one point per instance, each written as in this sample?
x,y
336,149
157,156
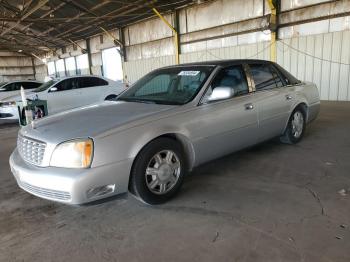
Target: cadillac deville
x,y
170,121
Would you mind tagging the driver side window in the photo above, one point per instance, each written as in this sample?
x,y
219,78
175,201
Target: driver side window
x,y
233,77
67,84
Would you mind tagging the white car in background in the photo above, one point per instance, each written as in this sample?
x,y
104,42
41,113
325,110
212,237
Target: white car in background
x,y
12,88
64,94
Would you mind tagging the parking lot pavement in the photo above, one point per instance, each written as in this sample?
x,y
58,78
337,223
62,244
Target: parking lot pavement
x,y
272,202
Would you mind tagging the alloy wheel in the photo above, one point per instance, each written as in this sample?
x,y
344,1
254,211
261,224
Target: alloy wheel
x,y
162,172
297,124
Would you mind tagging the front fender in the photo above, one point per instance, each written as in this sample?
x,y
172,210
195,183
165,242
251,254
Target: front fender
x,y
128,143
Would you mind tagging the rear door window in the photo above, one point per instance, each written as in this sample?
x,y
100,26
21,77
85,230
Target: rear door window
x,y
67,84
262,76
86,82
277,76
286,76
101,82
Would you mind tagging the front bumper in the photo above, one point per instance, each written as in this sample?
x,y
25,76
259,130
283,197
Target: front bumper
x,y
70,186
9,113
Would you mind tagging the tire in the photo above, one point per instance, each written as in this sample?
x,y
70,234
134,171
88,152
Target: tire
x,y
158,171
295,129
110,97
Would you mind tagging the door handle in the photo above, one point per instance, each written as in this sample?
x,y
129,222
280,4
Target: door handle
x,y
249,106
288,97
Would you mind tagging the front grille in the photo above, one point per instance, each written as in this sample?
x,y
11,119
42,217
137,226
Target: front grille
x,y
31,150
47,193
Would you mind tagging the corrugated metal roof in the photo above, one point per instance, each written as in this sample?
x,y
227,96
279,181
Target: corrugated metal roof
x,y
42,25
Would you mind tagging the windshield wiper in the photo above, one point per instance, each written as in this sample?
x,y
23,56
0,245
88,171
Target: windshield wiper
x,y
136,100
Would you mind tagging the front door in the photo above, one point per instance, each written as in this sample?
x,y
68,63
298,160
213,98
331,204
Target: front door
x,y
221,127
62,96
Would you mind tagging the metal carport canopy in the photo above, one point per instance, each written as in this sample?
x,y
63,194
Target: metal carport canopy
x,y
38,26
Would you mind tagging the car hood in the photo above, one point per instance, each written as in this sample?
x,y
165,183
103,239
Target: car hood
x,y
92,120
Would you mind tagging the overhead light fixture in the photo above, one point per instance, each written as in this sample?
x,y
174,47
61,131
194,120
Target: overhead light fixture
x,y
20,51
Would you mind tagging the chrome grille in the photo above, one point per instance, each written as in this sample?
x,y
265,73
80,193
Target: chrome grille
x,y
46,193
31,150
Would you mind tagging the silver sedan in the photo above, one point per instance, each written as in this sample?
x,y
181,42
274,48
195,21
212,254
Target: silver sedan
x,y
170,121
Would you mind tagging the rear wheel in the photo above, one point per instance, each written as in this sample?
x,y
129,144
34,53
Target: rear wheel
x,y
158,171
295,128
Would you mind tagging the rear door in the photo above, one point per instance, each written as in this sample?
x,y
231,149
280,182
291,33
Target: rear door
x,y
92,89
273,99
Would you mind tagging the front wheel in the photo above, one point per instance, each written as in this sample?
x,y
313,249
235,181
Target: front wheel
x,y
295,128
158,171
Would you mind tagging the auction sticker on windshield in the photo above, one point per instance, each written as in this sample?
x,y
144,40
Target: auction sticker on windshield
x,y
188,73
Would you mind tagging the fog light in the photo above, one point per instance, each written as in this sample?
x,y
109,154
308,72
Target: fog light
x,y
100,191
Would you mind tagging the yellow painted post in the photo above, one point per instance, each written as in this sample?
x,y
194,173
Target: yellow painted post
x,y
176,35
273,22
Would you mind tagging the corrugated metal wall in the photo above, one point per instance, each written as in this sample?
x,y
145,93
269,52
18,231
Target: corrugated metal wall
x,y
323,59
135,69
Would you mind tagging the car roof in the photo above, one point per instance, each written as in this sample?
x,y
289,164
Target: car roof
x,y
224,63
78,76
24,80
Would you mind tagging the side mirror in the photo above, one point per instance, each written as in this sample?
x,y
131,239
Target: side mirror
x,y
221,93
53,89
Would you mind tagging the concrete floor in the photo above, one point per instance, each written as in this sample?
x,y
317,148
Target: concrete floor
x,y
272,202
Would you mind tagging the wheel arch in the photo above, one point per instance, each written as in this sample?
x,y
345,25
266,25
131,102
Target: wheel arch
x,y
182,140
179,138
110,96
303,106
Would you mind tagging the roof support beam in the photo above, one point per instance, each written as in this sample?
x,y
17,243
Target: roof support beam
x,y
75,17
176,35
118,12
31,11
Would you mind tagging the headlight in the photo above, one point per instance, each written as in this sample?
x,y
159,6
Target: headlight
x,y
73,154
7,104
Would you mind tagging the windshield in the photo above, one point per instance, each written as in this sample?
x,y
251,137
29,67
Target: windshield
x,y
172,86
45,86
